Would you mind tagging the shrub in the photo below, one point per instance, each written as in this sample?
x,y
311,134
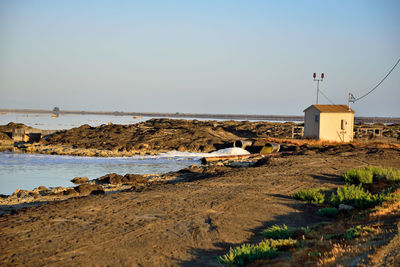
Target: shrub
x,y
356,231
356,196
247,253
306,229
329,236
282,244
392,175
369,174
358,176
277,232
327,212
377,172
312,195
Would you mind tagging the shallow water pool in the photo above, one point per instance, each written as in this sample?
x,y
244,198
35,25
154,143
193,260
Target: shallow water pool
x,y
28,171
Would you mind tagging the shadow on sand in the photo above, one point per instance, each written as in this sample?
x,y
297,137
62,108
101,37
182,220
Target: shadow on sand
x,y
304,216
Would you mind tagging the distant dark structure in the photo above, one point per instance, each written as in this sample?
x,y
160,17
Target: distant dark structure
x,y
56,112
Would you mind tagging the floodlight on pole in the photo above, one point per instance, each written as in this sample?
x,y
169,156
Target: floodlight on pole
x,y
318,80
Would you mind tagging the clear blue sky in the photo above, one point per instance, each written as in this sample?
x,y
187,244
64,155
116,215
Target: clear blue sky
x,y
209,56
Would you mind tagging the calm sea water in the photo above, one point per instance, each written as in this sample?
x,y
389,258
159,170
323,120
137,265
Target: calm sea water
x,y
28,171
46,122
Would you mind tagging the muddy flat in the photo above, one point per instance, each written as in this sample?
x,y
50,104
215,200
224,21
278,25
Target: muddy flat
x,y
184,224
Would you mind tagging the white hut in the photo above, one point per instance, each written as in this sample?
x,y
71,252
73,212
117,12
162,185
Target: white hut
x,y
329,123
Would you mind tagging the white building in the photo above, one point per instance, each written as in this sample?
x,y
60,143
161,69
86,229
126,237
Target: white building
x,y
329,123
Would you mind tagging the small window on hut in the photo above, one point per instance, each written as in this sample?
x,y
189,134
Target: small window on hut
x,y
343,124
316,118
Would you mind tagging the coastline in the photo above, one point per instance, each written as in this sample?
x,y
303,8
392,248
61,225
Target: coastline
x,y
209,208
270,117
201,206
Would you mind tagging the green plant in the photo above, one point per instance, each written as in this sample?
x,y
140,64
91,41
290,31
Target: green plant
x,y
378,173
358,176
356,196
306,230
246,253
356,231
312,195
327,212
316,253
282,244
392,175
329,236
277,232
370,174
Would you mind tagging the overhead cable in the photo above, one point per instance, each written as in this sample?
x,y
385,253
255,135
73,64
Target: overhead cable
x,y
356,99
326,97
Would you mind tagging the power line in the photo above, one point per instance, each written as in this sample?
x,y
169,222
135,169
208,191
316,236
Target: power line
x,y
356,99
326,97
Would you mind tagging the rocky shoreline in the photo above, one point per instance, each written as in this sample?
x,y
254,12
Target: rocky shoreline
x,y
153,137
112,183
188,217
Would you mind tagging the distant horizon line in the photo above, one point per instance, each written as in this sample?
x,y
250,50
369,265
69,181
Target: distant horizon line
x,y
293,118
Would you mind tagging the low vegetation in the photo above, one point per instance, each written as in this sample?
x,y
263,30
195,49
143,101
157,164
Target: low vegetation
x,y
325,243
356,231
246,253
371,174
312,195
277,232
356,196
358,176
327,212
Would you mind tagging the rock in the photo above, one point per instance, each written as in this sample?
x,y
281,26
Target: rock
x,y
181,148
21,193
345,207
214,170
309,152
86,189
114,178
56,190
240,164
33,194
97,192
111,178
42,188
134,179
4,136
70,192
144,146
290,148
263,161
80,180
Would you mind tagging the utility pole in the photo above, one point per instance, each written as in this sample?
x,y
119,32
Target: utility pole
x,y
351,99
318,80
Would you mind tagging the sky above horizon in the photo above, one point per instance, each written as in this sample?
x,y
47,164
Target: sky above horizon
x,y
234,57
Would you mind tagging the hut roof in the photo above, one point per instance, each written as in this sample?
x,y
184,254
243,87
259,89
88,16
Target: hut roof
x,y
332,108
